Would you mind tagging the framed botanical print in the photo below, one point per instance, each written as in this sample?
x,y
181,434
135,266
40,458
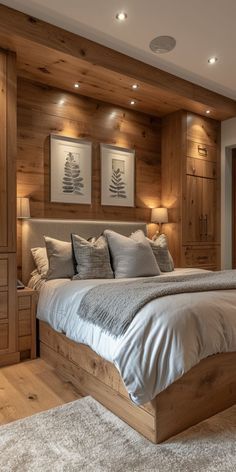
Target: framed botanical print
x,y
70,170
117,176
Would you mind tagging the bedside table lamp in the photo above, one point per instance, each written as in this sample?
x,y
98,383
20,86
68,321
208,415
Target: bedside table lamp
x,y
159,216
23,207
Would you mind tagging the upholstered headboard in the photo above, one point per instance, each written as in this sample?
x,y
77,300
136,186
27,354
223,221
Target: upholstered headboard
x,y
33,231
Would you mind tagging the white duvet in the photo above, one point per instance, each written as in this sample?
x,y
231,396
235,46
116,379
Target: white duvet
x,y
166,338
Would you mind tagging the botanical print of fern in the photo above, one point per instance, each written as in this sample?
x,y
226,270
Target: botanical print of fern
x,y
117,186
72,181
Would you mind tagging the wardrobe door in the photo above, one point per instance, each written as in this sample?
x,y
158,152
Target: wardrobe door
x,y
193,219
8,334
7,152
209,209
234,205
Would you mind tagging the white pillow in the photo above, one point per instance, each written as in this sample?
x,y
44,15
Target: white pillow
x,y
131,258
40,259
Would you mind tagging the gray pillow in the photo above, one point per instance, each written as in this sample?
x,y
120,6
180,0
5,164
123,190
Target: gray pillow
x,y
60,259
162,253
92,258
131,258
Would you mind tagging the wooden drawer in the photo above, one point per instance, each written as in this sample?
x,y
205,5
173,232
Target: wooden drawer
x,y
3,272
24,302
26,323
3,335
3,305
201,256
24,327
203,130
201,168
24,343
201,151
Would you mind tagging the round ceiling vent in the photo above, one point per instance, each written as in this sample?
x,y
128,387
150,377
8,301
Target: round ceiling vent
x,y
162,44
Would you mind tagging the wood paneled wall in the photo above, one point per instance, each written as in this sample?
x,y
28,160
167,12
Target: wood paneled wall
x,y
40,113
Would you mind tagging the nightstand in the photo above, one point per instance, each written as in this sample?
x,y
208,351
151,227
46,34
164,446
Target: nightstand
x,y
26,321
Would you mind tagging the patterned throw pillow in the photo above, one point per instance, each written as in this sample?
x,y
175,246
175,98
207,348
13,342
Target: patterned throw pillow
x,y
92,258
162,253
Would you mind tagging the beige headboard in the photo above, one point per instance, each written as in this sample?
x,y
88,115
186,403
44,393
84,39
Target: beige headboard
x,y
33,231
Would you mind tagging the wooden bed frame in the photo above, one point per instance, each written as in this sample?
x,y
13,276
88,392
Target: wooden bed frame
x,y
206,389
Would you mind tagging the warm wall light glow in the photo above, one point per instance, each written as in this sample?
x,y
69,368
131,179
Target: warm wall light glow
x,y
159,215
208,112
61,102
121,16
212,60
77,85
23,207
135,86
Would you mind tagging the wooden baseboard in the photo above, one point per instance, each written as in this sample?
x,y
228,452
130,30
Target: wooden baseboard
x,y
8,359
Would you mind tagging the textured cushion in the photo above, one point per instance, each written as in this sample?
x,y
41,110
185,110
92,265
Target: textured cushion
x,y
131,258
92,258
59,259
162,253
40,259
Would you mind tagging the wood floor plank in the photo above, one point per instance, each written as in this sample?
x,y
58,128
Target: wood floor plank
x,y
31,387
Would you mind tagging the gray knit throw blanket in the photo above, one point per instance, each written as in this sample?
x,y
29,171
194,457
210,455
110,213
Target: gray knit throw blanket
x,y
113,306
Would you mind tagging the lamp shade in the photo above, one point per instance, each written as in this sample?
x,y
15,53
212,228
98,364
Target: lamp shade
x,y
23,207
159,215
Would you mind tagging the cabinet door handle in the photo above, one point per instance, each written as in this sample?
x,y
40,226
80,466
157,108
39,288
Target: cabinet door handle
x,y
206,219
201,225
202,150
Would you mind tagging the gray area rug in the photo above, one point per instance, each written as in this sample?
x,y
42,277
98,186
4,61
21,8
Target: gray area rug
x,y
84,436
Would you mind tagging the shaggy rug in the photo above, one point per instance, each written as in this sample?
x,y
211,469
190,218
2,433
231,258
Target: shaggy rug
x,y
84,436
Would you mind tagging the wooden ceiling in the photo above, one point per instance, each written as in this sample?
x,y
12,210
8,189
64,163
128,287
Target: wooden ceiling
x,y
55,57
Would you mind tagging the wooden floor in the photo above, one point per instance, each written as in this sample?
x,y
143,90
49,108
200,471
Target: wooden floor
x,y
31,387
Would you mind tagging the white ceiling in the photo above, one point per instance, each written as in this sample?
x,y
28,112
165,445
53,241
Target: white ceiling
x,y
201,28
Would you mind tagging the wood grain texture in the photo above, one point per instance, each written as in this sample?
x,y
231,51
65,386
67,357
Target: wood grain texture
x,y
191,188
8,328
234,207
32,387
206,389
26,320
60,58
7,151
40,113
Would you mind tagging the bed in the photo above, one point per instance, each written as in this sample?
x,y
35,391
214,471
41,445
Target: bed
x,y
205,389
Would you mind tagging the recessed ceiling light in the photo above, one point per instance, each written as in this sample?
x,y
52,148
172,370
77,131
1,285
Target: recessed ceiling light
x,y
133,102
208,112
121,16
77,85
61,102
162,44
135,86
212,60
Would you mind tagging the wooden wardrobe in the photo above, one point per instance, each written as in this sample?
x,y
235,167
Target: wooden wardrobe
x,y
8,335
191,188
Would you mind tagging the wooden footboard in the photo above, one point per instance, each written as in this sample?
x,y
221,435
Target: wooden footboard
x,y
206,389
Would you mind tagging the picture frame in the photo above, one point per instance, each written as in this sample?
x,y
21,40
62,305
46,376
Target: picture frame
x,y
70,170
117,176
